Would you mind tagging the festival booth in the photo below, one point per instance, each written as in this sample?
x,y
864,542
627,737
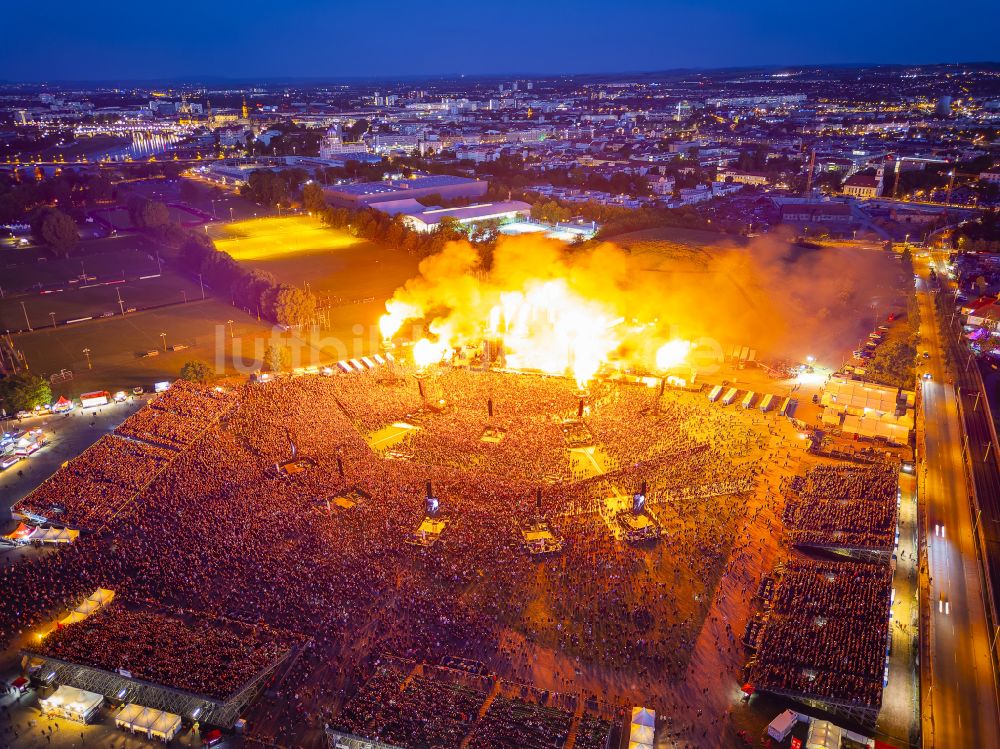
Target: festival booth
x,y
22,534
824,735
62,405
154,724
72,618
97,600
642,728
72,704
55,536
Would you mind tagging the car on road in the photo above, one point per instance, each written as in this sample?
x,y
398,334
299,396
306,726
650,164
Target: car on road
x,y
927,375
927,354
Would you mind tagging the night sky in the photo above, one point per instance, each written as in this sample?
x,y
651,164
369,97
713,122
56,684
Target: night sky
x,y
114,40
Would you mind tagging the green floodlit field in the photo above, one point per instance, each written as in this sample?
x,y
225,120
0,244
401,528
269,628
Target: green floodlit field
x,y
273,238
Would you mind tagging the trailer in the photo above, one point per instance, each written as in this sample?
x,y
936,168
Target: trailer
x,y
730,396
748,399
787,407
714,393
766,403
97,398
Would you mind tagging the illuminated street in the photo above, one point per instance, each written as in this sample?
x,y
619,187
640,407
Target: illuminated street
x,y
963,706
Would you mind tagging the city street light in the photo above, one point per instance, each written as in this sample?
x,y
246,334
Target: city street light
x,y
230,323
86,352
53,316
164,337
26,320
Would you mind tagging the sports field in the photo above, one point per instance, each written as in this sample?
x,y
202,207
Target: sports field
x,y
337,267
113,257
118,345
273,238
122,221
95,300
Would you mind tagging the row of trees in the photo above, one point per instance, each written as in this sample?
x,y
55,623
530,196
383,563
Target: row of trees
x,y
274,188
388,230
22,392
616,220
147,214
251,289
55,229
894,362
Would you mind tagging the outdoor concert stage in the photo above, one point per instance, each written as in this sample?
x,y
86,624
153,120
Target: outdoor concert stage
x,y
428,532
540,538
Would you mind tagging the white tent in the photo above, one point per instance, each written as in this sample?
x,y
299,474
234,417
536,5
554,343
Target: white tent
x,y
156,724
88,607
55,535
72,704
642,728
102,596
823,735
72,618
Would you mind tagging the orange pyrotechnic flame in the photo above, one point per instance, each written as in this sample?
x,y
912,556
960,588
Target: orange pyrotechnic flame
x,y
672,354
427,352
554,310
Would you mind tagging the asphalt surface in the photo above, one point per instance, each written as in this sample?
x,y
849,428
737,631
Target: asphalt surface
x,y
962,695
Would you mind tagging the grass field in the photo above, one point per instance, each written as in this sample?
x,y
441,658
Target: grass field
x,y
274,238
351,277
94,301
117,345
299,250
121,220
23,270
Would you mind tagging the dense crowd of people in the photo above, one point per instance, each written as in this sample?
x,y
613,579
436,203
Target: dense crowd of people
x,y
196,654
825,635
179,416
221,532
844,506
514,723
415,712
91,488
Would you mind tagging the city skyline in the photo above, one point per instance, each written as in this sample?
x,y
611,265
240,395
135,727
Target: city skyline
x,y
312,40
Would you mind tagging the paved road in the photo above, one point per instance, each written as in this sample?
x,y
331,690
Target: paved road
x,y
963,709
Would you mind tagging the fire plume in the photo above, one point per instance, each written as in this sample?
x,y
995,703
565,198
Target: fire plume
x,y
553,309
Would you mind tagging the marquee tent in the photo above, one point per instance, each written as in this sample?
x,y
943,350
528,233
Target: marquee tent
x,y
56,535
22,533
72,704
642,728
102,596
155,724
72,618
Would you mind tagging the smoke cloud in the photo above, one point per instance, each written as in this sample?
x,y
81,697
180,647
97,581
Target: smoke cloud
x,y
560,307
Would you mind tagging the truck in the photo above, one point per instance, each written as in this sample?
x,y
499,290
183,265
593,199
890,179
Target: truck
x,y
748,399
730,396
96,398
714,393
766,403
787,407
